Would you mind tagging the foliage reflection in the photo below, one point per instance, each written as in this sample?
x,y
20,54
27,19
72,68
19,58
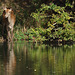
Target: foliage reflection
x,y
36,59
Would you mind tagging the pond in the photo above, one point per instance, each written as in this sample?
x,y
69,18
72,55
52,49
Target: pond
x,y
27,58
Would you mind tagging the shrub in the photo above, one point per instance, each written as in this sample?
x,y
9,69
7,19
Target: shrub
x,y
54,21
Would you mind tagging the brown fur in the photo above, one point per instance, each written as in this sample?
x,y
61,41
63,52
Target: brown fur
x,y
8,23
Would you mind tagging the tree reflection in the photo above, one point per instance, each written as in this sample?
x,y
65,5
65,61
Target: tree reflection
x,y
44,59
36,59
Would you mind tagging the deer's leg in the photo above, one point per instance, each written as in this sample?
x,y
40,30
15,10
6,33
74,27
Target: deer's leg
x,y
9,36
12,34
3,32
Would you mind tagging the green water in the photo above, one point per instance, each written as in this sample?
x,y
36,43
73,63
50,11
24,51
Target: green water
x,y
24,58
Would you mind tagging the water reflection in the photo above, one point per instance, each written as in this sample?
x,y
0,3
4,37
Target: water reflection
x,y
26,58
8,60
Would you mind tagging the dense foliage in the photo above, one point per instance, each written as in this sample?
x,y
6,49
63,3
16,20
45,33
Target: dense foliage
x,y
53,22
43,20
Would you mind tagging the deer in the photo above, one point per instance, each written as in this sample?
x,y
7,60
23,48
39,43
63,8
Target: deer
x,y
8,23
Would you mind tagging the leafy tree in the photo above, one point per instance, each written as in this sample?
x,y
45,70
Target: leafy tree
x,y
55,22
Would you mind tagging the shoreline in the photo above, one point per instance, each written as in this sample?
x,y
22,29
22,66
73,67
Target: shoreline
x,y
50,42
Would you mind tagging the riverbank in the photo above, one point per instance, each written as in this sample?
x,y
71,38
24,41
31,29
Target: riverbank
x,y
49,42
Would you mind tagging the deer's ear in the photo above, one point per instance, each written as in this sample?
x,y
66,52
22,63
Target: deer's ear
x,y
10,10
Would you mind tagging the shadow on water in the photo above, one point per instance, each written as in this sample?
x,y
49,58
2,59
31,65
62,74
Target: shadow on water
x,y
25,58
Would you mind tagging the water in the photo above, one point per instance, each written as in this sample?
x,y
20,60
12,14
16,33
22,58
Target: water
x,y
24,58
